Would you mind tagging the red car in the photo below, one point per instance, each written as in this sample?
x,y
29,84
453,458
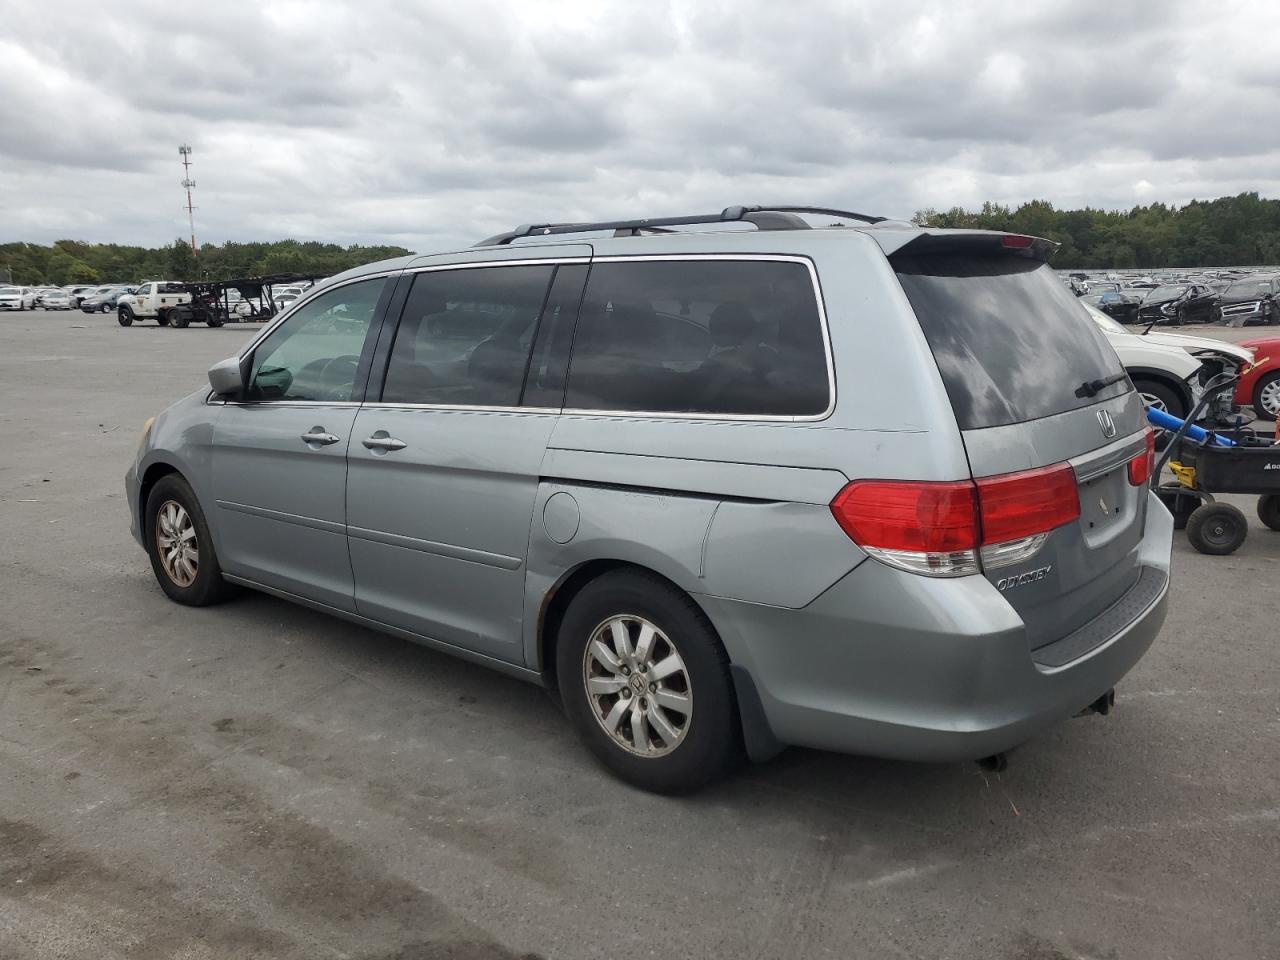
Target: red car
x,y
1260,387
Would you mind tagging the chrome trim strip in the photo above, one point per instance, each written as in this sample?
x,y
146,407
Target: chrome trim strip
x,y
1095,463
587,412
461,408
472,265
439,549
288,403
314,523
503,666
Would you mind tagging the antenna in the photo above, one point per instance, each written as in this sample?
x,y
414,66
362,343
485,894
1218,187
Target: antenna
x,y
184,151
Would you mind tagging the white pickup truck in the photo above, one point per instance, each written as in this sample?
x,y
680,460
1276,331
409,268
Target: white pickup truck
x,y
153,299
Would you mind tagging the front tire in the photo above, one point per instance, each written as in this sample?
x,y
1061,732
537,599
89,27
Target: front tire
x,y
1266,397
181,549
124,316
1217,529
645,682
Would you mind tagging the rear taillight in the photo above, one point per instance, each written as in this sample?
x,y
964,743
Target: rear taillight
x,y
1017,505
1143,465
942,529
1016,241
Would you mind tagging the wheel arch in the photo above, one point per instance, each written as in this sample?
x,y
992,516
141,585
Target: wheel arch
x,y
757,735
556,600
147,481
1165,378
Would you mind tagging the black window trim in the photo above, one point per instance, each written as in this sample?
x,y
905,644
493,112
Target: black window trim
x,y
392,327
807,262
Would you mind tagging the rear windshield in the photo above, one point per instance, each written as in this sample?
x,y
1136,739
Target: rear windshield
x,y
1013,344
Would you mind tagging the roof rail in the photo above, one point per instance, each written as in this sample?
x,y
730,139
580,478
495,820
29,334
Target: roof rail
x,y
764,218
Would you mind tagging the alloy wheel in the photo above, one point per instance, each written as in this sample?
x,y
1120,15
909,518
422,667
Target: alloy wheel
x,y
1269,397
637,685
176,543
1150,401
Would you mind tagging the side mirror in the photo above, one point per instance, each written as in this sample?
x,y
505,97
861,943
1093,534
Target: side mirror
x,y
226,378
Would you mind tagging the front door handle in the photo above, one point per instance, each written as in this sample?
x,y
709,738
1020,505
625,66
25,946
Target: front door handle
x,y
320,436
384,442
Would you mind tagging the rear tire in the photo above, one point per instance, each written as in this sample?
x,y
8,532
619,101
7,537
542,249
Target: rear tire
x,y
680,684
1269,510
1217,529
106,308
174,521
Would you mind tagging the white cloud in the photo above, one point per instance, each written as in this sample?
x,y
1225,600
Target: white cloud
x,y
435,124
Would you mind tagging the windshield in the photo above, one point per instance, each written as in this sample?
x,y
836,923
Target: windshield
x,y
1165,293
1009,339
1250,288
9,290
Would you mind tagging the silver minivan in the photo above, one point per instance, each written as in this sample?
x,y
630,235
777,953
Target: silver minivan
x,y
867,487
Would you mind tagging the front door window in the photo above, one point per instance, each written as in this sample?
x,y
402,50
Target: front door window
x,y
315,354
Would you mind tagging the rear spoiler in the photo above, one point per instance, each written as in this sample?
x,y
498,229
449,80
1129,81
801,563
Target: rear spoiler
x,y
979,242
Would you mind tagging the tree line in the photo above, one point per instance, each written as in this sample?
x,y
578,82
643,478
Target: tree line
x,y
71,261
1243,230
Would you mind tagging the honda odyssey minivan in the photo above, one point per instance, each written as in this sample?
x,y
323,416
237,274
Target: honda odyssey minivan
x,y
722,490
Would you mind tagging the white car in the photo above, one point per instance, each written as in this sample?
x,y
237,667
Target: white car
x,y
1167,368
17,298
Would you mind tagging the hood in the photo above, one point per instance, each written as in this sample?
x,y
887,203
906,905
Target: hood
x,y
1199,344
1136,351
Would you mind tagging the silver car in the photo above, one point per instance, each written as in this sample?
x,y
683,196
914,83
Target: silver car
x,y
872,488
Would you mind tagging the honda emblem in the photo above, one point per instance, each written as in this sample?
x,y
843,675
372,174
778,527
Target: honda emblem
x,y
1107,424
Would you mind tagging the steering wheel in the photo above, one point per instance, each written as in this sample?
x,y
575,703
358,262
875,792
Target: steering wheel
x,y
342,390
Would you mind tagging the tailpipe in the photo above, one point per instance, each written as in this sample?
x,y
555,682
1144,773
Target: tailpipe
x,y
1102,706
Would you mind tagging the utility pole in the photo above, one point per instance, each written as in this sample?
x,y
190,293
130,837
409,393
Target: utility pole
x,y
185,152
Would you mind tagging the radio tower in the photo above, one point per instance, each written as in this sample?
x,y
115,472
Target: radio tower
x,y
185,152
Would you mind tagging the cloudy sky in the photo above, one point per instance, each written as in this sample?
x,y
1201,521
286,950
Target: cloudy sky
x,y
432,124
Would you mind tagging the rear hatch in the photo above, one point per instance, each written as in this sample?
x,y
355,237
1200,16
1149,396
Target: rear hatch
x,y
1037,390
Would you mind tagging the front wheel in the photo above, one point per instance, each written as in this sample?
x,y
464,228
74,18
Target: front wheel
x,y
1266,397
1160,395
1217,529
124,316
645,681
182,555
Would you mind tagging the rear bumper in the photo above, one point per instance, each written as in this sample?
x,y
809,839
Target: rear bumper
x,y
890,664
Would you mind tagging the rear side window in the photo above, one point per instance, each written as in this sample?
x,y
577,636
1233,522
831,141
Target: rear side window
x,y
465,336
1013,344
700,336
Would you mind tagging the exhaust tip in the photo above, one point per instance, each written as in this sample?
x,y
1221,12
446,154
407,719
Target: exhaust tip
x,y
1102,706
994,763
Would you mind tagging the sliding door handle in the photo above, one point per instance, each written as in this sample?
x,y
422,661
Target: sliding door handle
x,y
381,441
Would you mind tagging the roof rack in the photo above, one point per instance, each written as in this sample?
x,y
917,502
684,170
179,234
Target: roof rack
x,y
764,218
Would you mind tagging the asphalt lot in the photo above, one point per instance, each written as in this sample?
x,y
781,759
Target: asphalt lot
x,y
257,780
